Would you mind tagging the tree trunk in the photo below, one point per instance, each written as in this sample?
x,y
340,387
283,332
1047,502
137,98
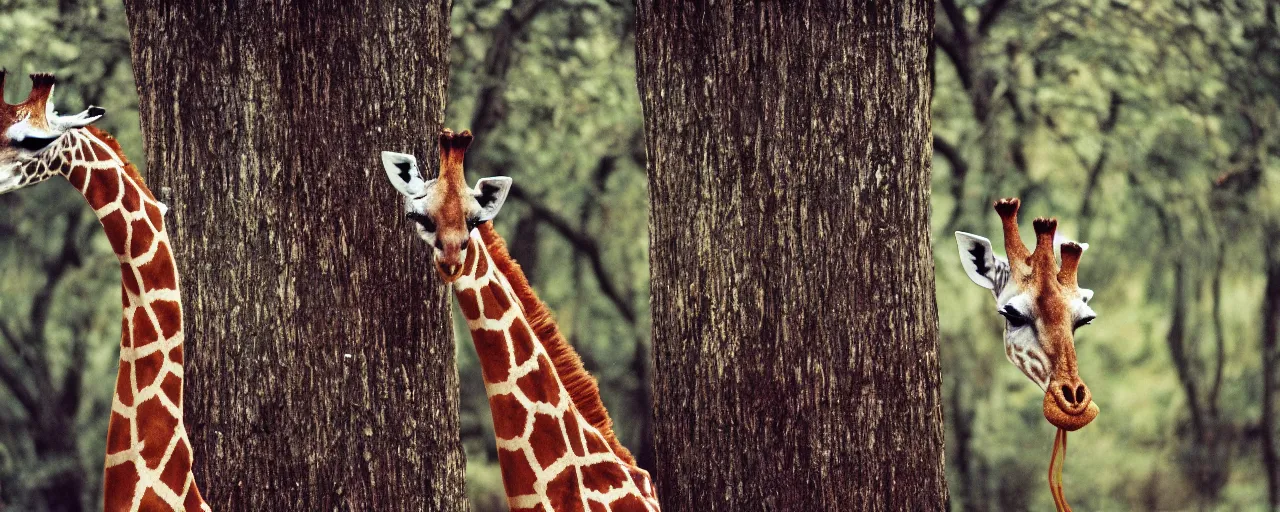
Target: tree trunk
x,y
321,365
794,322
1271,371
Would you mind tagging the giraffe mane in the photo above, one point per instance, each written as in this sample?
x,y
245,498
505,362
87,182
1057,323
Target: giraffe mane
x,y
582,387
129,168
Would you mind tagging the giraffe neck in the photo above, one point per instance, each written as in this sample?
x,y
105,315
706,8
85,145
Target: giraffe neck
x,y
556,446
148,462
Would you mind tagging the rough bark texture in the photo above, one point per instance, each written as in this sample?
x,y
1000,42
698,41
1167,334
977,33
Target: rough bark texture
x,y
320,356
794,320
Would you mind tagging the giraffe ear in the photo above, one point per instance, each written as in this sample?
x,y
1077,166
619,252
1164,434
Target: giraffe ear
x,y
491,193
402,170
978,260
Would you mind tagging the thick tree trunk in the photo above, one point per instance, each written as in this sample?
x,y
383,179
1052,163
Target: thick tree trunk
x,y
794,323
320,356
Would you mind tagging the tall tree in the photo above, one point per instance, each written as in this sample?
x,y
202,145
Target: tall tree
x,y
321,365
794,323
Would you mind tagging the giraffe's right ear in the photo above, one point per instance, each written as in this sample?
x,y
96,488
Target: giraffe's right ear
x,y
978,260
402,170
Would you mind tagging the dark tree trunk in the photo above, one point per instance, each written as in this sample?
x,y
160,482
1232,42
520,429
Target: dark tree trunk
x,y
794,323
1271,371
321,365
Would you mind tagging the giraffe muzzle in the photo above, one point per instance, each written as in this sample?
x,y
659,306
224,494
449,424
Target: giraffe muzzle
x,y
1068,404
449,272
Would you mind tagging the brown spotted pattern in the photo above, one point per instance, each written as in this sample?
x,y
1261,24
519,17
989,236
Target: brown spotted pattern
x,y
148,461
552,458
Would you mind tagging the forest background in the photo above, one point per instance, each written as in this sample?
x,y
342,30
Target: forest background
x,y
1151,129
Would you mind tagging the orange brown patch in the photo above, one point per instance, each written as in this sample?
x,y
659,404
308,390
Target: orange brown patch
x,y
144,332
595,506
153,213
517,475
603,476
104,188
152,501
540,385
128,281
595,444
124,384
521,341
117,230
118,434
547,440
140,242
155,428
119,482
148,368
77,176
158,274
193,501
563,491
495,301
575,433
467,302
172,388
174,475
131,200
169,314
508,416
175,354
629,503
491,346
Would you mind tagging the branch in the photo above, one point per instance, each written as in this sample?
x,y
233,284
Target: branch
x,y
497,61
988,15
959,170
582,243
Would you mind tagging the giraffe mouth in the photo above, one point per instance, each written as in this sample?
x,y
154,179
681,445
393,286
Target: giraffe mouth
x,y
449,273
1068,420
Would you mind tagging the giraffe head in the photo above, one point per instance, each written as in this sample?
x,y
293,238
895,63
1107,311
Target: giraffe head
x,y
444,210
1042,306
30,127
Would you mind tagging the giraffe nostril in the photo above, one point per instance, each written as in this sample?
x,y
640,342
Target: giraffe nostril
x,y
1068,394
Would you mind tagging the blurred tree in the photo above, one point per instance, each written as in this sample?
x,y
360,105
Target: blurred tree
x,y
794,327
304,285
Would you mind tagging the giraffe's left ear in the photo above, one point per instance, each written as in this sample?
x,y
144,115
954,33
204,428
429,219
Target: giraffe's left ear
x,y
491,193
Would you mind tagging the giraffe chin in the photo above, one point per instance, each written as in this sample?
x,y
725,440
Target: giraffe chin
x,y
1069,422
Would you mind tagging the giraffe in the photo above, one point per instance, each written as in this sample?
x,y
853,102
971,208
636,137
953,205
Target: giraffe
x,y
1042,305
148,460
556,445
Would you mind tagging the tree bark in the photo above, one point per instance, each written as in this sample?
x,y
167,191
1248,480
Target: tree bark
x,y
320,356
794,319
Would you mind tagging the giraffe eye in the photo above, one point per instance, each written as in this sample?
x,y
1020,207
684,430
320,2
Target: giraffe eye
x,y
424,220
472,223
30,143
1014,317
